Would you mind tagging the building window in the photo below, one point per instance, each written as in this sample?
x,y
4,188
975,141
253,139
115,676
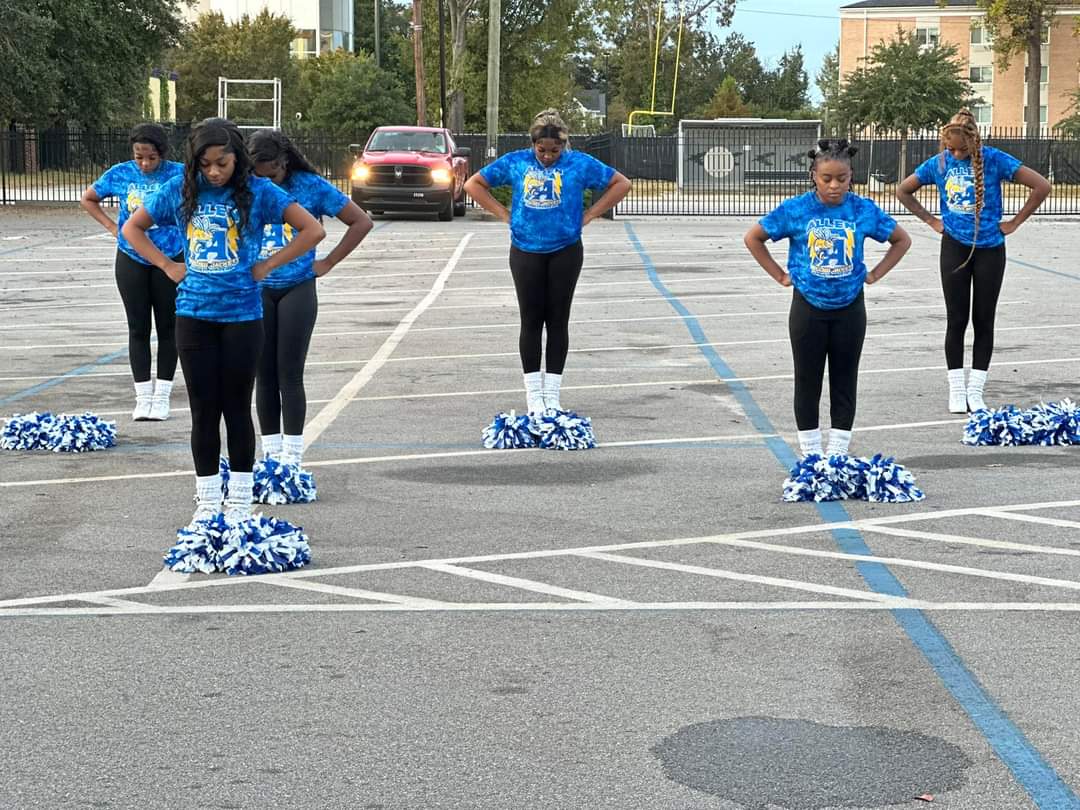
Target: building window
x,y
980,36
1042,113
981,74
304,45
927,36
983,113
1044,74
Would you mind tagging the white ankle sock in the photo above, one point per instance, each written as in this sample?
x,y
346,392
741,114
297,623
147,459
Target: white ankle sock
x,y
144,389
208,488
810,442
271,444
163,388
976,383
292,449
241,485
534,391
839,440
956,379
552,384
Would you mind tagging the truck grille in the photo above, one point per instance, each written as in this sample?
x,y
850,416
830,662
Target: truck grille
x,y
409,176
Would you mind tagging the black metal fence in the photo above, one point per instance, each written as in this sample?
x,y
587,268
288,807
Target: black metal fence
x,y
715,171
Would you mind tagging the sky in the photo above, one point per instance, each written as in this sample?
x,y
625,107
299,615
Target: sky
x,y
775,26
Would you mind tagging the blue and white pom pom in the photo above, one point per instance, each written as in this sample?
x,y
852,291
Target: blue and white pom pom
x,y
509,431
1055,423
258,545
835,478
61,434
277,483
997,426
564,430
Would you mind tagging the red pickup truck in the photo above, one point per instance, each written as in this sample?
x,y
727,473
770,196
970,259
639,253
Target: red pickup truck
x,y
411,169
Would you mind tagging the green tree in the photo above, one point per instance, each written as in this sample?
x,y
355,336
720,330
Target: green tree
x,y
82,61
394,27
782,91
31,79
726,102
354,96
904,86
252,48
828,83
1017,28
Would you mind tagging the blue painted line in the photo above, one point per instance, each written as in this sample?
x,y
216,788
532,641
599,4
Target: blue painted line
x,y
1030,266
1035,774
67,375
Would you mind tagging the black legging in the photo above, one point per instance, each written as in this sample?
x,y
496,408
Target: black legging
x,y
545,289
984,272
219,361
145,289
288,320
818,335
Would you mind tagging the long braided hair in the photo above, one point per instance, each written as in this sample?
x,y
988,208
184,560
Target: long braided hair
x,y
273,146
963,125
218,132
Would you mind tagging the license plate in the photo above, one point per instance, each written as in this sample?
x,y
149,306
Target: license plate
x,y
418,194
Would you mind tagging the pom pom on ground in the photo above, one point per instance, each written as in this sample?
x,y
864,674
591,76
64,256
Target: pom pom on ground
x,y
258,545
61,434
277,483
835,478
509,431
997,426
564,430
1055,423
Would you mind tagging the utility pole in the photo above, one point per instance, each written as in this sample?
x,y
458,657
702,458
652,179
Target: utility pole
x,y
442,63
494,28
378,49
418,61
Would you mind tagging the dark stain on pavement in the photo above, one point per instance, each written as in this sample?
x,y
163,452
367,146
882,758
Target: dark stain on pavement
x,y
768,762
1046,458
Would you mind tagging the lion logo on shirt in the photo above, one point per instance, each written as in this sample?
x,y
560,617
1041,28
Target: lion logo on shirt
x,y
134,199
831,247
542,189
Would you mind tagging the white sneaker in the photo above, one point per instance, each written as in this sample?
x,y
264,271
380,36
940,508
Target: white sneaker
x,y
205,510
143,405
958,401
976,383
237,512
159,409
975,401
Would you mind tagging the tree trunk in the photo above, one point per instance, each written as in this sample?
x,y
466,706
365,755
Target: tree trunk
x,y
459,10
901,169
1034,83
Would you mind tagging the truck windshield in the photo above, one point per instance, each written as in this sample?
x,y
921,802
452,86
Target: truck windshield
x,y
393,141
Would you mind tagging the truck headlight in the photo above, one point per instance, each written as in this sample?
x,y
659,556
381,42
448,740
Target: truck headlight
x,y
360,172
441,176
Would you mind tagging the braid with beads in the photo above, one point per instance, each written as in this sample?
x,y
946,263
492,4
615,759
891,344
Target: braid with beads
x,y
963,124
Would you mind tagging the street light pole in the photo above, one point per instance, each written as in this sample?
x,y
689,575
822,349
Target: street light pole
x,y
494,26
418,62
442,63
378,58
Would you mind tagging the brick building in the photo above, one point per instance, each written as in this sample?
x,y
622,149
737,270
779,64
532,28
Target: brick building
x,y
863,24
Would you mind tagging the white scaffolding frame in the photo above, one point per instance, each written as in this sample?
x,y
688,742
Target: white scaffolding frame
x,y
224,99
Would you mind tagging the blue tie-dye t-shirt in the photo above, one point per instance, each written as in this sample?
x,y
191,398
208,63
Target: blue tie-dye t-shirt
x,y
131,187
219,257
546,207
955,180
321,198
825,251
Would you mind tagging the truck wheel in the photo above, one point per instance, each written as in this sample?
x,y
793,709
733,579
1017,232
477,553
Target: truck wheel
x,y
459,208
446,213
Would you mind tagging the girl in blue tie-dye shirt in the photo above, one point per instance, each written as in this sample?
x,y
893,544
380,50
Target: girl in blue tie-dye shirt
x,y
223,209
825,229
289,302
144,289
968,176
546,215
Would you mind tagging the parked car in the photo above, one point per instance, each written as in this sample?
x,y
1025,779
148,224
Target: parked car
x,y
411,169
